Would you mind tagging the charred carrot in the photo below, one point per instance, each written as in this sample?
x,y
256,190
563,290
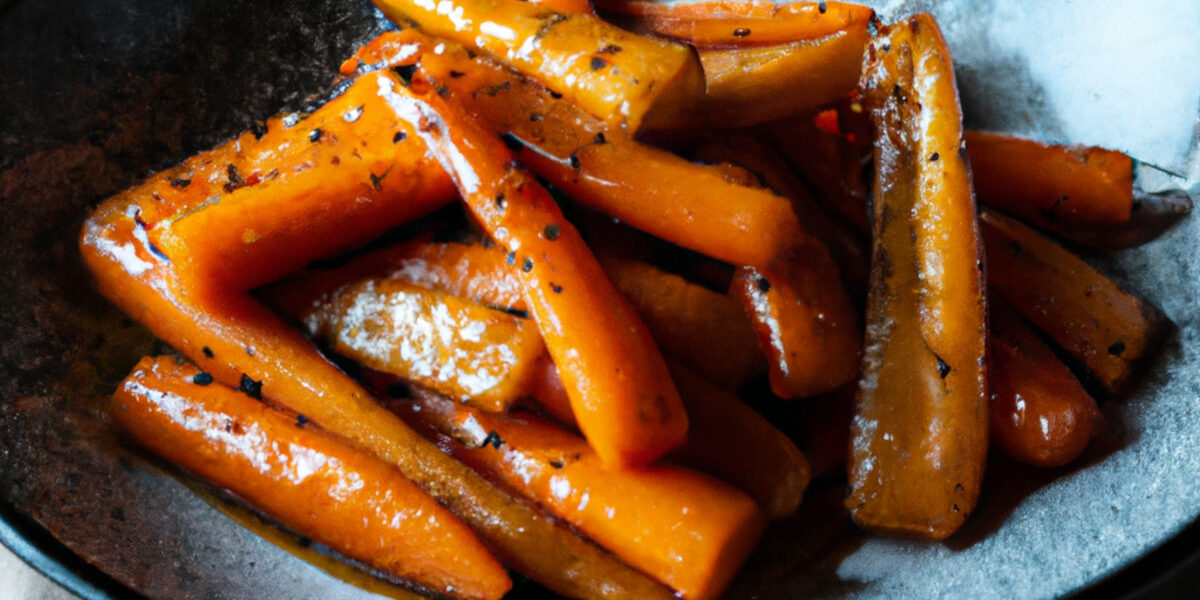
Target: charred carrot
x,y
472,353
621,394
697,326
243,344
919,435
688,530
1051,186
1106,328
335,494
716,23
613,74
745,86
1040,415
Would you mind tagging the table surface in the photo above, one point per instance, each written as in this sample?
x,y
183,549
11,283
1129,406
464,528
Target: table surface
x,y
18,581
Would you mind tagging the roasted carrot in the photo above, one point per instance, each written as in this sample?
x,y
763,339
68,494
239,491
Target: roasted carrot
x,y
618,76
337,495
686,529
745,86
1104,327
1040,415
472,353
242,343
703,329
729,439
621,393
1153,214
919,435
566,7
1051,186
717,23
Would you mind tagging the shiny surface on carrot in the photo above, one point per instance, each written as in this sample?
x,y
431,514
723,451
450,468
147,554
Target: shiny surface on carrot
x,y
1051,186
462,349
919,434
684,528
620,391
1106,328
335,494
715,23
1040,414
613,74
242,343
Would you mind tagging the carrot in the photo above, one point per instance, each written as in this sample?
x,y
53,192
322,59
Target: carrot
x,y
237,214
919,434
475,354
716,23
846,246
566,7
1104,327
242,343
619,388
1152,215
1040,415
730,440
745,86
618,76
1051,186
335,494
686,529
703,329
474,271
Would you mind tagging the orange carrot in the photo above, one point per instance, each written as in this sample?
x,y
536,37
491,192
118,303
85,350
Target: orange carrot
x,y
472,353
1106,328
242,343
686,529
703,329
1051,186
620,391
1040,415
566,7
611,73
919,435
715,23
335,494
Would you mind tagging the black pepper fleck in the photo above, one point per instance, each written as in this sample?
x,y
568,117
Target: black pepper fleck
x,y
314,135
399,137
1117,349
535,117
527,266
598,63
259,129
511,258
492,438
501,203
574,160
208,353
301,421
741,32
600,139
764,286
377,181
554,287
934,157
456,74
235,178
610,49
551,232
943,368
181,183
202,378
251,387
821,8
557,464
555,95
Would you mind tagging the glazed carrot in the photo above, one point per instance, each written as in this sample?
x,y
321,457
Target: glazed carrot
x,y
235,214
686,529
1106,328
1040,415
618,76
919,435
729,439
703,329
1152,215
474,271
1051,186
242,343
744,86
621,394
474,354
847,247
716,23
565,7
335,494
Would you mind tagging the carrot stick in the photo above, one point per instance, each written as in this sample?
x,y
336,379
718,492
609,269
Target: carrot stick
x,y
703,329
1051,186
474,271
472,353
716,23
1040,415
620,391
242,343
566,7
1106,328
686,529
745,86
919,435
335,494
611,73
